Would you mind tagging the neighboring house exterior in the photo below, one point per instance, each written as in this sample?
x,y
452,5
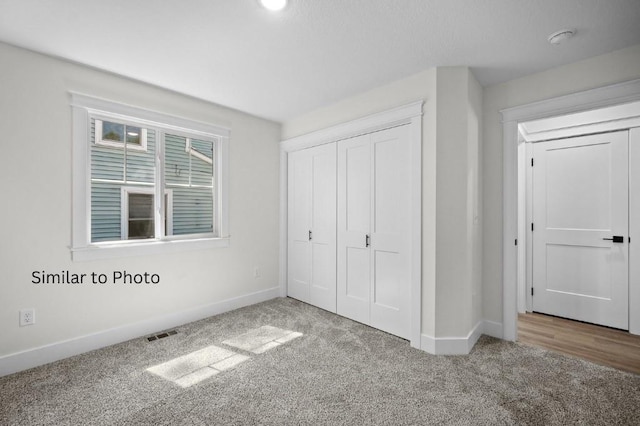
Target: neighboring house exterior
x,y
123,177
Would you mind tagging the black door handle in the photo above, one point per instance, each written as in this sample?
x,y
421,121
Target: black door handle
x,y
615,239
367,241
310,235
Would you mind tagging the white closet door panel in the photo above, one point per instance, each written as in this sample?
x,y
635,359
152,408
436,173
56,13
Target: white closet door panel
x,y
634,230
390,244
322,291
312,226
357,279
299,224
354,219
299,273
357,185
580,199
299,214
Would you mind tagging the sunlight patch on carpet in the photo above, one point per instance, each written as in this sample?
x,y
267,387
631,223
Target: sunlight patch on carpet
x,y
262,339
187,370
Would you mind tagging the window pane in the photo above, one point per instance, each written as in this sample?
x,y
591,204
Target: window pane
x,y
140,206
201,162
134,135
112,131
141,216
141,165
114,167
139,229
106,163
192,211
105,212
189,173
176,160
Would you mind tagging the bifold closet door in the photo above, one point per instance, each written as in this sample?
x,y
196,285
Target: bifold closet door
x,y
311,263
373,230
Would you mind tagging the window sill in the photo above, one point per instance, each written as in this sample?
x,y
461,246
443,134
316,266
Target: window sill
x,y
113,251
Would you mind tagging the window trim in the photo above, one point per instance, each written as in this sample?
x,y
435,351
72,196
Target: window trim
x,y
86,107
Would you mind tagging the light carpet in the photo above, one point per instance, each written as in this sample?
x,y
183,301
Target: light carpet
x,y
285,362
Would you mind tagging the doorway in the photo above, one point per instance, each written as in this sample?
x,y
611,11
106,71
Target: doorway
x,y
600,110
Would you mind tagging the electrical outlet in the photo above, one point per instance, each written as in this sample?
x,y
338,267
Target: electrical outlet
x,y
27,317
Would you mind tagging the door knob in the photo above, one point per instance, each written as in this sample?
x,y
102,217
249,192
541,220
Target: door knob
x,y
615,239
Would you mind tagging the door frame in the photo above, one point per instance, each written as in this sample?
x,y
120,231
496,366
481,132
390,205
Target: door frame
x,y
548,113
409,114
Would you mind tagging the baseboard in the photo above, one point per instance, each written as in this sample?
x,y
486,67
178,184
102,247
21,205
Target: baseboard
x,y
30,358
460,345
492,328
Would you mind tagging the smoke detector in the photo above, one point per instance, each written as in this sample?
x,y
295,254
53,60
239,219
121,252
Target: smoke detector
x,y
560,36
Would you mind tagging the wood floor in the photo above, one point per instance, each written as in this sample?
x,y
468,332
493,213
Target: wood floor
x,y
601,345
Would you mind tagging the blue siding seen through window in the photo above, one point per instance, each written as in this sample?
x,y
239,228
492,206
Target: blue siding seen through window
x,y
188,172
190,175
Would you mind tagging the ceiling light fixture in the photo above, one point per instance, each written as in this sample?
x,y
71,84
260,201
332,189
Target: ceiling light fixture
x,y
560,36
274,5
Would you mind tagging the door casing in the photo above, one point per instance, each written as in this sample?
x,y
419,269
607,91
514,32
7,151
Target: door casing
x,y
514,237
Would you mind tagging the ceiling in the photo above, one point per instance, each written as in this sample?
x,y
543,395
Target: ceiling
x,y
279,65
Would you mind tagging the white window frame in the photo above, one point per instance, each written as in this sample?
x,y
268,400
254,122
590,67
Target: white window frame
x,y
84,108
120,145
125,191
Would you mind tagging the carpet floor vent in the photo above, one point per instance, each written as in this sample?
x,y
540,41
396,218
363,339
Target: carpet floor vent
x,y
161,335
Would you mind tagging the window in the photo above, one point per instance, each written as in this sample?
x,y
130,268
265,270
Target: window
x,y
138,220
118,135
145,182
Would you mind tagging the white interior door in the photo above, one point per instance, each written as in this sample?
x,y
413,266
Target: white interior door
x,y
354,223
580,203
322,289
390,220
299,224
312,226
373,230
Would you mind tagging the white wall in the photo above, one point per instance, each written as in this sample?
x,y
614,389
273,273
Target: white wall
x,y
35,185
475,196
614,67
458,236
